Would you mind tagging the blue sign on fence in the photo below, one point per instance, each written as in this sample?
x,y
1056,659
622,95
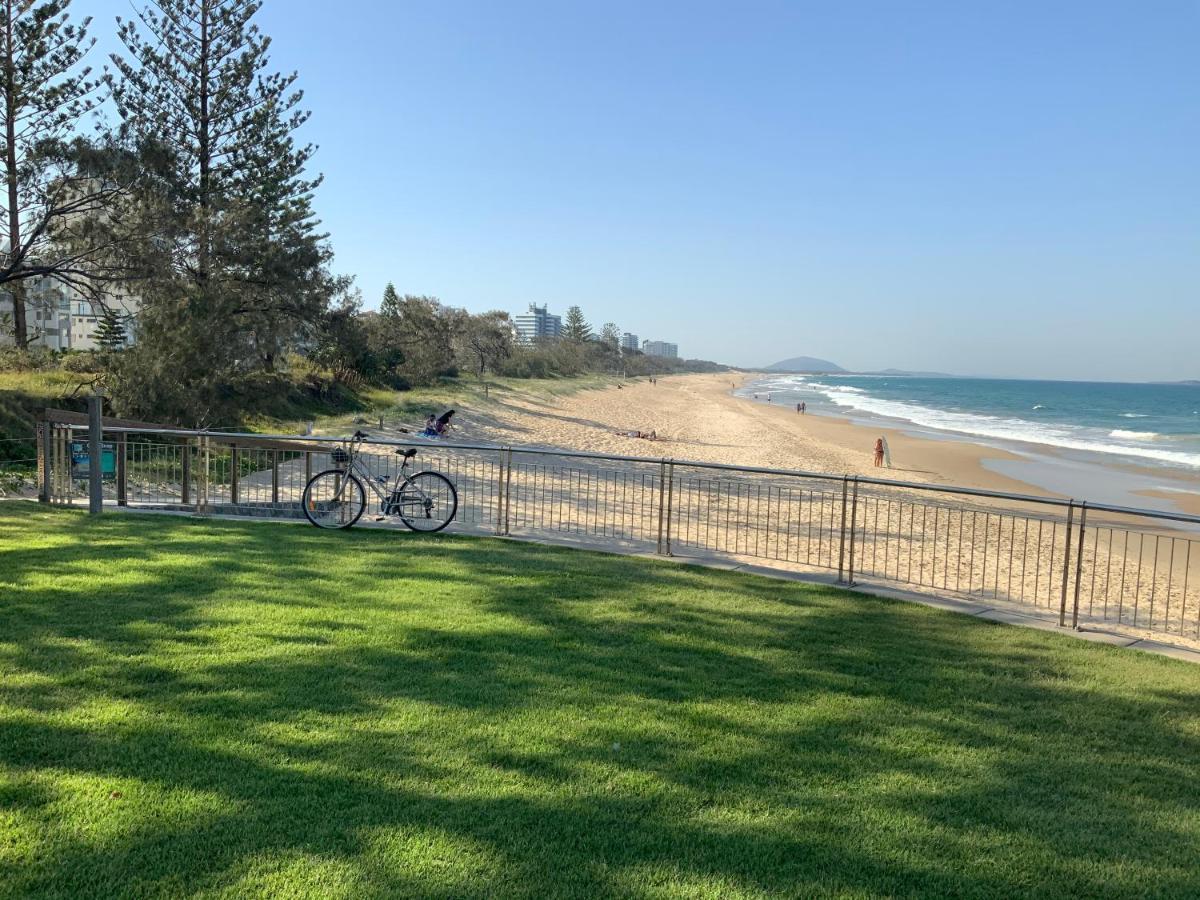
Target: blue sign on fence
x,y
81,459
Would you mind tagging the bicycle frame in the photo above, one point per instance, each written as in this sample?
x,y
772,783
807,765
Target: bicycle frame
x,y
381,489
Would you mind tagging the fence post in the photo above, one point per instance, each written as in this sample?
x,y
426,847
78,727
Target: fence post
x,y
274,477
185,488
307,467
670,506
1066,573
235,475
507,488
500,494
43,456
95,448
853,517
202,499
662,493
122,471
842,540
1079,564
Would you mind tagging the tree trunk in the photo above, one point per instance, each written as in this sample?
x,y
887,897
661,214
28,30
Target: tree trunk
x,y
204,151
20,331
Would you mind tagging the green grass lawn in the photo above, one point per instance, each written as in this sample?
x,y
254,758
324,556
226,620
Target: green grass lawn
x,y
216,708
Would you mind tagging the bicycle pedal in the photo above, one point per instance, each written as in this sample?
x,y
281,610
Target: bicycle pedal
x,y
380,518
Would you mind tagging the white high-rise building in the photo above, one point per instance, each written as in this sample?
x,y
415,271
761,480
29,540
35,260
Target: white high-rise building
x,y
660,348
629,341
537,323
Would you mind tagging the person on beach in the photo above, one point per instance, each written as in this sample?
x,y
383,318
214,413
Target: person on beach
x,y
887,453
879,452
803,408
797,409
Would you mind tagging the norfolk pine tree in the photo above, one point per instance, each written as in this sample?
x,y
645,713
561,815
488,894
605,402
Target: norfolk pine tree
x,y
236,269
575,327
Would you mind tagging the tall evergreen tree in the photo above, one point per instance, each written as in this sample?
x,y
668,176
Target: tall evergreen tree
x,y
110,332
237,269
575,327
390,304
44,92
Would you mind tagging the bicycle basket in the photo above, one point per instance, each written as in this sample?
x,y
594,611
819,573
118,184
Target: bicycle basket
x,y
339,456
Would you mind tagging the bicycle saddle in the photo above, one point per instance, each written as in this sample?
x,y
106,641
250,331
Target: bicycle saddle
x,y
407,454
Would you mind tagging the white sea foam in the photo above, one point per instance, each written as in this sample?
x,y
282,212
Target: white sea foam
x,y
1068,437
1133,435
1133,415
1039,406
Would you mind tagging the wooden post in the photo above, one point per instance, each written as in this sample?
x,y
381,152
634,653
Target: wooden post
x,y
275,476
185,490
43,457
234,474
122,471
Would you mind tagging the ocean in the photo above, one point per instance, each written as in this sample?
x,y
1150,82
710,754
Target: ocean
x,y
1148,424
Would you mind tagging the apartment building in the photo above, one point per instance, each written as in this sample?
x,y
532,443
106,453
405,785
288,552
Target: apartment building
x,y
537,323
660,348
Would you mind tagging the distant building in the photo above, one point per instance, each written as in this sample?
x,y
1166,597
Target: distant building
x,y
629,341
58,317
537,323
660,348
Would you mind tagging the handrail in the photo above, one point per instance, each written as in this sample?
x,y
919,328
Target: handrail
x,y
694,464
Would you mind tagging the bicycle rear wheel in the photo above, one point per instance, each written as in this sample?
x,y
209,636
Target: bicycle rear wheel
x,y
427,502
333,499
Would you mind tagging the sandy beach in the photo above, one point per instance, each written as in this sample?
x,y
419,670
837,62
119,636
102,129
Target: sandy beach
x,y
697,417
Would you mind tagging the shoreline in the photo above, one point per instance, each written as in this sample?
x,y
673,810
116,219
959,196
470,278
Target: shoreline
x,y
701,417
1046,469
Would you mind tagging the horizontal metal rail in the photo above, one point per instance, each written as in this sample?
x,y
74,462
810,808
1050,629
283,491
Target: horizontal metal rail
x,y
233,436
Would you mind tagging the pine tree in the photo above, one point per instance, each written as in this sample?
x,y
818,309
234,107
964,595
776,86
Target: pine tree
x,y
237,269
390,304
44,93
575,327
110,332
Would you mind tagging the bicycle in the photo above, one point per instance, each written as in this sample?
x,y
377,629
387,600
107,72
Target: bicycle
x,y
336,498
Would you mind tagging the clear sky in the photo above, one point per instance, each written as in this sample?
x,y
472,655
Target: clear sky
x,y
982,188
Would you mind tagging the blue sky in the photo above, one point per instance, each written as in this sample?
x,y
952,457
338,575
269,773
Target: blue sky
x,y
1001,188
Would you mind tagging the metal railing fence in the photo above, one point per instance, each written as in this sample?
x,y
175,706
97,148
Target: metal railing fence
x,y
1091,563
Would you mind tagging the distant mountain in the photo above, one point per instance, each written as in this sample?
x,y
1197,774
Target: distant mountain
x,y
805,364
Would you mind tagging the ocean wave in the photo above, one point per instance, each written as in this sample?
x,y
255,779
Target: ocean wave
x,y
1011,429
1039,406
1133,435
1133,415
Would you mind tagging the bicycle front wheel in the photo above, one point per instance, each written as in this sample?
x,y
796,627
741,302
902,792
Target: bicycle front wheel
x,y
333,499
427,502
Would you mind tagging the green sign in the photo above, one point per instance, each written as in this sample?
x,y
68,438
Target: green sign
x,y
81,459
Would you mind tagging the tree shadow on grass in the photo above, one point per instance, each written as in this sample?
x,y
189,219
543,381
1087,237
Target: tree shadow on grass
x,y
579,724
